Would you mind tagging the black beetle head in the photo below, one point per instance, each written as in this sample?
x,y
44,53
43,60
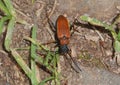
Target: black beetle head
x,y
63,49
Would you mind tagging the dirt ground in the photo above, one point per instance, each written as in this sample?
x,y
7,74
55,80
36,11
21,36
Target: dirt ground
x,y
98,66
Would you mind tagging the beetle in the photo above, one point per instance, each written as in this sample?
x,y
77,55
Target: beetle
x,y
63,33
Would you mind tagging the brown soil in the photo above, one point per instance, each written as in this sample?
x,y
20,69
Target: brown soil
x,y
93,55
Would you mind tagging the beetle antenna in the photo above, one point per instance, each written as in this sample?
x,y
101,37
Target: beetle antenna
x,y
74,63
51,24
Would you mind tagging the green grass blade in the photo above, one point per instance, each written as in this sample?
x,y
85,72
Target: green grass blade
x,y
38,59
2,21
116,46
33,76
33,52
36,43
34,56
47,58
96,22
118,36
33,46
92,21
8,38
4,8
45,80
21,62
33,1
10,7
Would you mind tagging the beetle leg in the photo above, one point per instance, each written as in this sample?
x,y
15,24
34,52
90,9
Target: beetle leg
x,y
49,42
52,26
73,27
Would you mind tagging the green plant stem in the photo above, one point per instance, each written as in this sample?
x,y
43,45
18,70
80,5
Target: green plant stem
x,y
21,62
